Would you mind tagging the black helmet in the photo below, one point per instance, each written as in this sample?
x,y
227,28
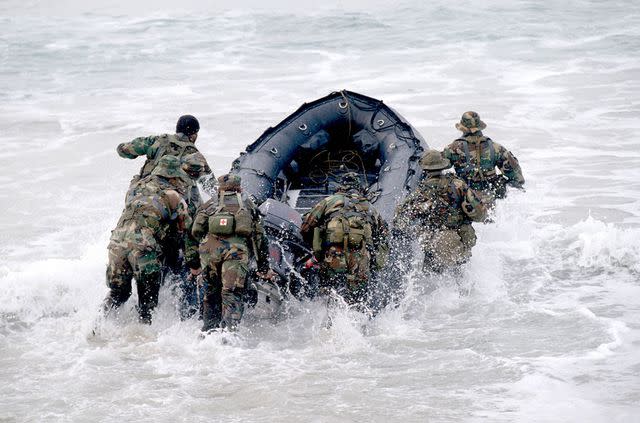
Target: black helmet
x,y
187,125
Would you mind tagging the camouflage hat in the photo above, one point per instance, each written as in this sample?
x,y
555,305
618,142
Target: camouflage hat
x,y
350,180
470,122
194,164
433,160
229,182
170,167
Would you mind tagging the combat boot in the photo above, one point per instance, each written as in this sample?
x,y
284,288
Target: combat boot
x,y
117,296
211,312
232,308
148,289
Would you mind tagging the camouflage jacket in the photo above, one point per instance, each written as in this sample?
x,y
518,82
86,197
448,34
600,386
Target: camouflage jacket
x,y
440,201
322,212
475,157
257,243
158,210
154,147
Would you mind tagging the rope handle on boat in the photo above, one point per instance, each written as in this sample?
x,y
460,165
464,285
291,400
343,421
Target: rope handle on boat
x,y
346,106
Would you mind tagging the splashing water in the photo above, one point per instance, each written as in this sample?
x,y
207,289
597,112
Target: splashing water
x,y
544,325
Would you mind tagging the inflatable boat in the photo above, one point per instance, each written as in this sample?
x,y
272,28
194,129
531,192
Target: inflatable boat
x,y
295,164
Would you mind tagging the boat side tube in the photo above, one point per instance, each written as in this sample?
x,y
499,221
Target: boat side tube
x,y
363,119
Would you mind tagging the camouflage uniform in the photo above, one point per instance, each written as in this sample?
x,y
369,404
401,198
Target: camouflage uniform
x,y
441,210
136,244
225,258
344,266
179,145
475,157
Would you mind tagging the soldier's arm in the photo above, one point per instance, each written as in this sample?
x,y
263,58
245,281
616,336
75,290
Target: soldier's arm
x,y
198,169
200,225
209,184
185,224
409,210
313,219
472,205
381,240
262,248
509,166
448,153
138,147
191,255
260,241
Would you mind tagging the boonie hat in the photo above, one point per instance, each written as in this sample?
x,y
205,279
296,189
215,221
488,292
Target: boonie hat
x,y
470,122
433,160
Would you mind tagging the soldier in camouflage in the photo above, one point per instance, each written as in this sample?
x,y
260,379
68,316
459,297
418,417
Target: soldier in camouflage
x,y
230,232
136,245
475,158
349,239
182,145
440,211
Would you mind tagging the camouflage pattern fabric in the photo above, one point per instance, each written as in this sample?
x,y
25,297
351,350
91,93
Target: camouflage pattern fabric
x,y
136,244
440,211
225,261
348,269
155,147
475,158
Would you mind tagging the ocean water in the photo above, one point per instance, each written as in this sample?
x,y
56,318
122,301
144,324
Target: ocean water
x,y
547,328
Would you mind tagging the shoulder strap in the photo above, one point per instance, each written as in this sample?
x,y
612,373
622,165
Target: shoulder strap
x,y
240,202
492,150
454,190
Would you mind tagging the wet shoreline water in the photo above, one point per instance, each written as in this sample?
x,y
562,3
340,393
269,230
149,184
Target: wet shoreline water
x,y
549,330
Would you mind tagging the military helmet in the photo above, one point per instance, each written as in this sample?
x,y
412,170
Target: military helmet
x,y
433,160
229,182
187,125
470,122
170,167
350,180
194,164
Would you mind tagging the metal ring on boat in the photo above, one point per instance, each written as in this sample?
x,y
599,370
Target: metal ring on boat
x,y
274,151
302,127
343,104
380,122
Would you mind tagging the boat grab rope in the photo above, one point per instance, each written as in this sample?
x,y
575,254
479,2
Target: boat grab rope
x,y
348,107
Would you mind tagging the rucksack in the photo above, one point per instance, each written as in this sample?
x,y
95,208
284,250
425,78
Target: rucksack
x,y
231,217
442,203
349,225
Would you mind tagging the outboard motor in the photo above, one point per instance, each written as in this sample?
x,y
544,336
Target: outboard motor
x,y
288,253
265,298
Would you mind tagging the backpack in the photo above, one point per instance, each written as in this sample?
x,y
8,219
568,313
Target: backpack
x,y
442,203
231,217
167,144
349,225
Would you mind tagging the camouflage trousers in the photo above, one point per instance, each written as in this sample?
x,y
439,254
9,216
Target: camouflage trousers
x,y
348,272
225,262
447,248
133,254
